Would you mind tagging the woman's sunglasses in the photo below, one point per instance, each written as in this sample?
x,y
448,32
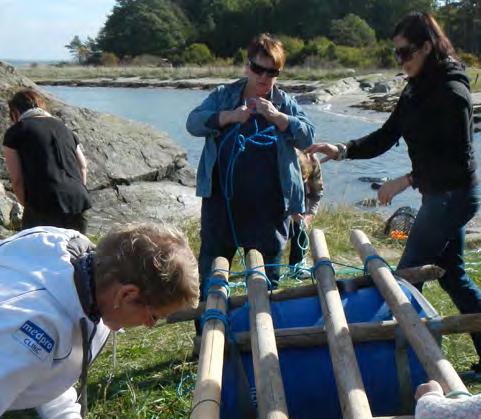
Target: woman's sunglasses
x,y
405,54
259,70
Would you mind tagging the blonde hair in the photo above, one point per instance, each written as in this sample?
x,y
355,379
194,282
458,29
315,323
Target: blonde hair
x,y
157,259
268,46
307,164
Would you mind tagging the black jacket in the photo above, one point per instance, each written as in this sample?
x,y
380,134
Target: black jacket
x,y
434,115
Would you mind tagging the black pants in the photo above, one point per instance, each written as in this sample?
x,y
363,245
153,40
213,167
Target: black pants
x,y
32,218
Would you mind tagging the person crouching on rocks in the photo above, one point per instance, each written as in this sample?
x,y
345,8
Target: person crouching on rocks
x,y
46,165
60,297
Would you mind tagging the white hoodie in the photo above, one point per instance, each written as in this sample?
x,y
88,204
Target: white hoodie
x,y
40,312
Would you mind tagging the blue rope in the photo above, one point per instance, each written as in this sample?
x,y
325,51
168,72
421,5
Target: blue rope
x,y
372,257
184,390
228,183
322,262
214,314
220,283
264,276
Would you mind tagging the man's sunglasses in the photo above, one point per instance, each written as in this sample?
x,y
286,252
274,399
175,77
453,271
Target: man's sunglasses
x,y
405,54
259,70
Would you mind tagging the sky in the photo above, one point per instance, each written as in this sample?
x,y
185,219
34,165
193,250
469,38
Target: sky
x,y
37,30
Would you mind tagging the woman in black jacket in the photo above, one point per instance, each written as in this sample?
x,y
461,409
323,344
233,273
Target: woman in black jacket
x,y
434,115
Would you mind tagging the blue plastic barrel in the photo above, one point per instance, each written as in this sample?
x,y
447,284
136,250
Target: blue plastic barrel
x,y
307,373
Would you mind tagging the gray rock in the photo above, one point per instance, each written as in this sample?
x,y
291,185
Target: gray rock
x,y
381,87
143,201
134,170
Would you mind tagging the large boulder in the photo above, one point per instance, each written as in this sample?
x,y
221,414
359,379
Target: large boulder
x,y
135,172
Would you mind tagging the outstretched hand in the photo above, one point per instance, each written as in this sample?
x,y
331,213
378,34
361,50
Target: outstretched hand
x,y
392,188
330,151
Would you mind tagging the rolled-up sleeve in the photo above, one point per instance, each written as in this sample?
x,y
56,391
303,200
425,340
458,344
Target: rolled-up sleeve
x,y
300,127
204,119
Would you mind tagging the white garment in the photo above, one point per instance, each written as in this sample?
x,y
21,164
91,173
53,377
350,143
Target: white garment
x,y
34,112
40,312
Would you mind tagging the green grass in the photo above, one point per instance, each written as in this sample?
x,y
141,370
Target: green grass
x,y
42,73
152,362
475,76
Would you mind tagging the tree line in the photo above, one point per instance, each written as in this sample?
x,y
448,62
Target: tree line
x,y
349,32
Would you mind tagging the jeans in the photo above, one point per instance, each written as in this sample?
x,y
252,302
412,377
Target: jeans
x,y
437,237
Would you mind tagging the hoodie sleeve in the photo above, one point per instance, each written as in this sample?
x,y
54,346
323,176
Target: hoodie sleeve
x,y
379,141
64,406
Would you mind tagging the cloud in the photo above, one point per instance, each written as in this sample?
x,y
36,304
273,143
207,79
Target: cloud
x,y
36,30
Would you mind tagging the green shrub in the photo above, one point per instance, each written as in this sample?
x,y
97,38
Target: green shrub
x,y
353,57
383,55
352,31
471,60
240,56
293,48
109,59
197,54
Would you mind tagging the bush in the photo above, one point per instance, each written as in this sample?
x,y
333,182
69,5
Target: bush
x,y
383,55
353,57
293,48
352,31
317,50
149,60
109,59
240,57
197,54
470,60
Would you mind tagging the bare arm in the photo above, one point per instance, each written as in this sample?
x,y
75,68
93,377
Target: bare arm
x,y
82,164
14,169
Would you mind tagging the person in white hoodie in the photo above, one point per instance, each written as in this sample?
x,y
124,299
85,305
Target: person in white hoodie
x,y
60,297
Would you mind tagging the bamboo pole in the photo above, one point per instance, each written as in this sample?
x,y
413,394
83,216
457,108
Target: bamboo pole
x,y
429,354
301,337
350,388
412,275
267,372
207,393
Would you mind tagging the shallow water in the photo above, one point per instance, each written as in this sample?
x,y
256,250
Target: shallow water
x,y
167,110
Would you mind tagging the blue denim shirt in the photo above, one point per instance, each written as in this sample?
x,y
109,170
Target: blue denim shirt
x,y
299,134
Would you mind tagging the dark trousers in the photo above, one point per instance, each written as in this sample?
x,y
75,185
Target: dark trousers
x,y
298,239
32,218
437,236
266,236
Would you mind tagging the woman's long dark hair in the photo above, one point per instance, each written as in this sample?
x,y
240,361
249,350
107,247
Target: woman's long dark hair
x,y
419,27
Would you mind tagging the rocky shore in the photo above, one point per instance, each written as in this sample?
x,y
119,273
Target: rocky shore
x,y
378,92
139,174
135,172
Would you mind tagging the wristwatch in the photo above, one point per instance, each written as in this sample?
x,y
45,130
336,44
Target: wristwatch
x,y
341,151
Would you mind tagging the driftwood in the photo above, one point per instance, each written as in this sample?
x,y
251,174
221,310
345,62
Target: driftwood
x,y
206,400
423,343
350,388
412,275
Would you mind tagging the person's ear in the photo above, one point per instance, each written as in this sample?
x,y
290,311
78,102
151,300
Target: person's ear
x,y
14,115
126,293
427,47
